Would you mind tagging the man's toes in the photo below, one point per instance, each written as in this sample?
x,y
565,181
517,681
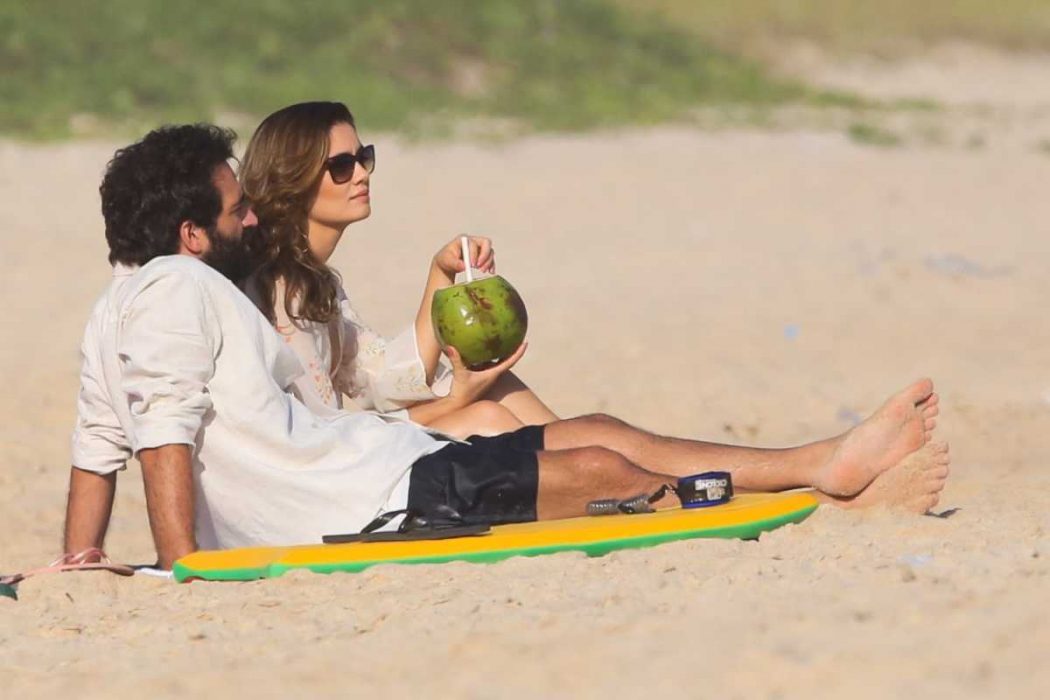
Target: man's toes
x,y
922,504
920,391
930,403
931,423
930,410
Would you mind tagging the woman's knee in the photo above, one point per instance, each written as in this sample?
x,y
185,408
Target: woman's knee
x,y
490,418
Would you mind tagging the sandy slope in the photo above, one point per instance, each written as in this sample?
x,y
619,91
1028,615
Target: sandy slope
x,y
764,288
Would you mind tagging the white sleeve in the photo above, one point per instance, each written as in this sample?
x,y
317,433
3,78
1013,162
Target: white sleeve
x,y
99,442
381,374
168,340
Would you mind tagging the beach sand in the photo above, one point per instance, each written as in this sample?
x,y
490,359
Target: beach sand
x,y
739,286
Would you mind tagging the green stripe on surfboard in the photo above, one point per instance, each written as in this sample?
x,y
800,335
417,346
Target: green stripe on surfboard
x,y
748,530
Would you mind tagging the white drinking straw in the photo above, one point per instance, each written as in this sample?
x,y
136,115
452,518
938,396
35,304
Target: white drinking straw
x,y
466,257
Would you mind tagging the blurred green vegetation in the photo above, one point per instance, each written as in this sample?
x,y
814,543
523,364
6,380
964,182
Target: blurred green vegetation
x,y
71,67
875,26
872,135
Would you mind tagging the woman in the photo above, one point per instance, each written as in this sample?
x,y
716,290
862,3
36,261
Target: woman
x,y
307,176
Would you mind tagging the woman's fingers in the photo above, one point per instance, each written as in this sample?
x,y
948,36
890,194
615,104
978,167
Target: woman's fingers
x,y
457,361
483,252
512,360
482,255
454,358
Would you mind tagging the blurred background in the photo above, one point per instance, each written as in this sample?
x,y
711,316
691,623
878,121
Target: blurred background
x,y
71,68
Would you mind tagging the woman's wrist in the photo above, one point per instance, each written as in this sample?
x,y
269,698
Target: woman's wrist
x,y
439,278
459,399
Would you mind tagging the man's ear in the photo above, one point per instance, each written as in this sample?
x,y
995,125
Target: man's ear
x,y
193,240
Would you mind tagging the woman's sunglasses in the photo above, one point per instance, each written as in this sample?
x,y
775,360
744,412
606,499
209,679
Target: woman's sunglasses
x,y
342,166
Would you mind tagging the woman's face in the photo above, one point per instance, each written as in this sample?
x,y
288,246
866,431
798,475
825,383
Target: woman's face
x,y
338,205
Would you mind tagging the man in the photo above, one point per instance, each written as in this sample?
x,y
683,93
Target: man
x,y
180,370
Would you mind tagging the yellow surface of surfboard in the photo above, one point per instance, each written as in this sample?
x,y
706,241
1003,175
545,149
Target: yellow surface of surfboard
x,y
746,516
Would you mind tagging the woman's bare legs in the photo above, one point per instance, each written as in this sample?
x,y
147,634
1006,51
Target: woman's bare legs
x,y
507,406
484,418
512,393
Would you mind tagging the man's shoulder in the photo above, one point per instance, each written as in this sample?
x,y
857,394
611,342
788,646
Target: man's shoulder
x,y
177,266
176,274
102,309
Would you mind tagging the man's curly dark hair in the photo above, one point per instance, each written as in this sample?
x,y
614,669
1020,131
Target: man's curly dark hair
x,y
152,186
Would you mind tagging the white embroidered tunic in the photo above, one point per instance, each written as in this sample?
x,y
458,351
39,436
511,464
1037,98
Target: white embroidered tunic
x,y
175,354
348,358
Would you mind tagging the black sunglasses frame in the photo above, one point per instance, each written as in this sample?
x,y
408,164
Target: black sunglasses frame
x,y
341,167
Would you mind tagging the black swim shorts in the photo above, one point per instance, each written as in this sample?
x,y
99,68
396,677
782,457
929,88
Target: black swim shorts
x,y
490,480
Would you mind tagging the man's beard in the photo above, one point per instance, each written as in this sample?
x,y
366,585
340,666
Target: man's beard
x,y
234,258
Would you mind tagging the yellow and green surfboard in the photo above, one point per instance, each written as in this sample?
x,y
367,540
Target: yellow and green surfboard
x,y
745,517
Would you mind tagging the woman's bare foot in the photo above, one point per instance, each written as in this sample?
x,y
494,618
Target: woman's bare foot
x,y
914,485
903,425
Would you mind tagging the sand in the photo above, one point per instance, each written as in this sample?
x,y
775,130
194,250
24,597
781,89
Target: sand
x,y
743,286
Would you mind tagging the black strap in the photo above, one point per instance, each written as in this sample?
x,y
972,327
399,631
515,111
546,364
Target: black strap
x,y
442,522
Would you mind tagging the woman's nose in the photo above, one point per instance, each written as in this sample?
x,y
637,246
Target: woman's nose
x,y
250,219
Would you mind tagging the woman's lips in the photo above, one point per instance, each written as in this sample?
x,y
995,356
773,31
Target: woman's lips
x,y
361,195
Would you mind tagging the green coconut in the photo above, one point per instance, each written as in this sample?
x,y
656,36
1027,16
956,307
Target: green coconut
x,y
485,320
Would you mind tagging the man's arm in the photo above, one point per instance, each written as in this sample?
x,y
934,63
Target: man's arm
x,y
168,475
88,509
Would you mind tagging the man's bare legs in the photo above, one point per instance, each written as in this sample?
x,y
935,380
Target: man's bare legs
x,y
840,466
570,479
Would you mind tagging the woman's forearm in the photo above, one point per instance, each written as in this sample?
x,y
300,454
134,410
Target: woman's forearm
x,y
427,412
426,340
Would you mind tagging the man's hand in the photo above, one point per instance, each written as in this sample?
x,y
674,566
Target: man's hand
x,y
168,475
449,260
467,385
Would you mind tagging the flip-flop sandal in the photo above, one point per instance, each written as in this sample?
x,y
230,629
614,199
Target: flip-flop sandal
x,y
92,559
440,533
442,524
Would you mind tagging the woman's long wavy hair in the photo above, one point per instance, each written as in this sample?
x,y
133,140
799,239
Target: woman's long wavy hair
x,y
281,173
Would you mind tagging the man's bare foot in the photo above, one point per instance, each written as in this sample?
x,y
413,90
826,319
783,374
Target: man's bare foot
x,y
903,425
914,485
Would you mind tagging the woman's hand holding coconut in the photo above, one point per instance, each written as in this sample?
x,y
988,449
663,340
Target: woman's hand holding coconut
x,y
445,265
470,385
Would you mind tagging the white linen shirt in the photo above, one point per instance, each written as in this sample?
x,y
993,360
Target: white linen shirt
x,y
175,354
